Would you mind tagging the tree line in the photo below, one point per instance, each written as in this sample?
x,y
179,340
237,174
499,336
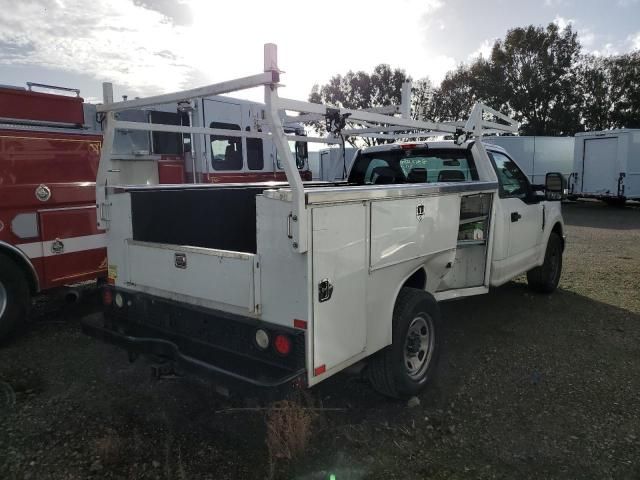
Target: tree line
x,y
539,76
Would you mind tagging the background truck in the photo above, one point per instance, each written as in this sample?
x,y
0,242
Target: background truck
x,y
49,153
282,285
333,164
538,155
607,165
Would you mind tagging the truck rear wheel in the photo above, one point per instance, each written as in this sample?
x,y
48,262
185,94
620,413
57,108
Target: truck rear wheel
x,y
14,296
404,368
545,278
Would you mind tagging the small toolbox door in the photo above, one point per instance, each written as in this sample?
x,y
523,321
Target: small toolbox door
x,y
339,277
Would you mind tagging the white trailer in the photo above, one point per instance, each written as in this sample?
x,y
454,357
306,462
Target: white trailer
x,y
537,155
287,284
607,165
334,163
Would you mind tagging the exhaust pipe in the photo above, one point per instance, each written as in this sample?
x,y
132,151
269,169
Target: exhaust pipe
x,y
72,295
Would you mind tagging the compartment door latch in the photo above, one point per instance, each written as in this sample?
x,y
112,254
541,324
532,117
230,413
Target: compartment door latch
x,y
325,290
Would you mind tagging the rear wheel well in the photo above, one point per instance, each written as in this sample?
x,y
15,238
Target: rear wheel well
x,y
557,229
26,268
418,279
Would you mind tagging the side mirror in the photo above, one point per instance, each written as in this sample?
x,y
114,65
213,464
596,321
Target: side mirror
x,y
555,186
302,153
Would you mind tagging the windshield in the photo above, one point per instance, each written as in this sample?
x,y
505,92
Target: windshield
x,y
413,166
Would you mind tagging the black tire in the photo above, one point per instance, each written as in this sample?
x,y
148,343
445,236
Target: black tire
x,y
14,296
545,278
389,370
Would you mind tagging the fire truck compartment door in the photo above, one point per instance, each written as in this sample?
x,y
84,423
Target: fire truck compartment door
x,y
339,277
73,248
196,275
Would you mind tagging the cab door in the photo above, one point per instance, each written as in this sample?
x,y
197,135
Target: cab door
x,y
519,221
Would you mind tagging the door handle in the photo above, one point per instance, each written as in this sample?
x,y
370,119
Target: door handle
x,y
515,216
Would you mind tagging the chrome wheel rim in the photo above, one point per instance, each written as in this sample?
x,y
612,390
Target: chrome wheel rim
x,y
3,299
418,346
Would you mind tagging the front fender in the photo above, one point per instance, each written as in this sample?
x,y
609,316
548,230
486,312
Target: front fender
x,y
553,223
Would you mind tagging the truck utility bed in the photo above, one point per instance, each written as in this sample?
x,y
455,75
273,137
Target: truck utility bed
x,y
311,278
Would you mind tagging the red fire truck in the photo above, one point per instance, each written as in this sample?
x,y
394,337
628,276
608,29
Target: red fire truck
x,y
49,154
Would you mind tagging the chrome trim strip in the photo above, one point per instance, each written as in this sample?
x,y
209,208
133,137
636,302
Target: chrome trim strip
x,y
377,192
26,259
198,250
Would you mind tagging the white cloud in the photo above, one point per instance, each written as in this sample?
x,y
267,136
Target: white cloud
x,y
605,50
484,50
139,45
113,40
556,3
634,41
562,22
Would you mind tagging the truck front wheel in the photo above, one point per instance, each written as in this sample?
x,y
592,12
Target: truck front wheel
x,y
545,278
404,368
14,296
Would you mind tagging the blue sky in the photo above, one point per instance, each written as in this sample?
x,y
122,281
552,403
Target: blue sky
x,y
154,46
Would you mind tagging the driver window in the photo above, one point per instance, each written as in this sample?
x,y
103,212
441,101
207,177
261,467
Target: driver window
x,y
226,152
513,183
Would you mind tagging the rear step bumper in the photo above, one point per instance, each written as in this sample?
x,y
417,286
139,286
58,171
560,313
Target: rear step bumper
x,y
265,375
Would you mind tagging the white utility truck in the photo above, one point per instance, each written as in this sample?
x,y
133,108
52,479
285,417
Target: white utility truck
x,y
280,285
607,165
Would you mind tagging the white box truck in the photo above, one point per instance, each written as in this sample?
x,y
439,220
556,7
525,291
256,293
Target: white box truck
x,y
607,165
334,163
284,285
538,155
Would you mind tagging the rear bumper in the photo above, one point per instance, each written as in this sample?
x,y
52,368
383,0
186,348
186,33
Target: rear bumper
x,y
237,372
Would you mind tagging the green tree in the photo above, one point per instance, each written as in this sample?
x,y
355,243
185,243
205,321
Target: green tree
x,y
534,77
625,77
461,89
360,90
596,91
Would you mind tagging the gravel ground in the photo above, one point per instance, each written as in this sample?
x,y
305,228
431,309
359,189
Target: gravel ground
x,y
528,386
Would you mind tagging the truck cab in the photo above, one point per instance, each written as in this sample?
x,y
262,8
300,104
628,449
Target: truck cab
x,y
523,218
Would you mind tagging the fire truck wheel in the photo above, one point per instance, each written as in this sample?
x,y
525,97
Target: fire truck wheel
x,y
545,278
14,296
404,368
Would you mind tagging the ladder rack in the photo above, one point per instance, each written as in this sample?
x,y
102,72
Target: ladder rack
x,y
380,122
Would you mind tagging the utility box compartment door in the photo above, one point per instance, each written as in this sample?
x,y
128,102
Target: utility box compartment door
x,y
217,276
600,165
406,229
339,277
73,247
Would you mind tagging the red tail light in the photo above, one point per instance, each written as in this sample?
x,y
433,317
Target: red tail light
x,y
408,146
107,297
282,344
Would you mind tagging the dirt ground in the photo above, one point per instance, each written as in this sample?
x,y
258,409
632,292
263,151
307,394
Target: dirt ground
x,y
528,386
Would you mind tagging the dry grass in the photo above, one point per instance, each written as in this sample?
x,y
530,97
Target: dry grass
x,y
110,448
173,465
289,428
